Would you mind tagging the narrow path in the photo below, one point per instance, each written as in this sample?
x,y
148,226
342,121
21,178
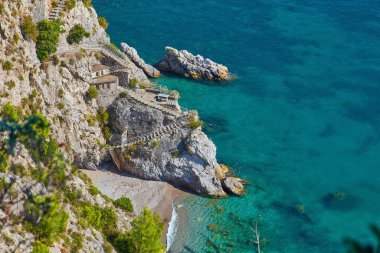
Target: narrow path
x,y
159,133
54,13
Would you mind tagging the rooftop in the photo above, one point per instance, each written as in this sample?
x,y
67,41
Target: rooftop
x,y
105,79
98,67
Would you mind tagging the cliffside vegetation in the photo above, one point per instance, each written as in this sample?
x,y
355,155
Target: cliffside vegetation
x,y
29,28
103,22
47,215
76,34
48,37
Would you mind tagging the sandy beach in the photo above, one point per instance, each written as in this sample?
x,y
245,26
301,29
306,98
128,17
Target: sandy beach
x,y
157,196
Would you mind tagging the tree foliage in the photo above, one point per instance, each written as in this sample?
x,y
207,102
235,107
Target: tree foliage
x,y
39,247
87,3
46,219
145,235
70,4
124,203
48,37
44,216
76,34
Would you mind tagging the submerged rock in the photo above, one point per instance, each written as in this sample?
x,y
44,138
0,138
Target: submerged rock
x,y
132,54
340,201
234,185
193,66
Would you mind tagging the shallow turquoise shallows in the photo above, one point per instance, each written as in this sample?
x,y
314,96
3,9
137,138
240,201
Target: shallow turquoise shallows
x,y
301,122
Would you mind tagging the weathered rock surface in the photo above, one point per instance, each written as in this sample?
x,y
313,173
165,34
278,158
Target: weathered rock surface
x,y
185,158
193,66
132,55
234,185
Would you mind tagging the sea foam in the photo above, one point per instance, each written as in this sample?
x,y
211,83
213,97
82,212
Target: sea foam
x,y
172,230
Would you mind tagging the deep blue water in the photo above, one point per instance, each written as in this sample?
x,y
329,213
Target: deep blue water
x,y
301,121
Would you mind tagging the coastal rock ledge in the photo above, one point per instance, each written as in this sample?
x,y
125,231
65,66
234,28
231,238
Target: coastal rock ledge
x,y
193,66
132,54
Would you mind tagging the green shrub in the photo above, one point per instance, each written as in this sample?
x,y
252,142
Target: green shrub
x,y
61,93
124,203
194,123
91,214
108,221
103,118
87,3
92,92
76,242
175,153
146,232
123,94
103,22
39,247
61,106
54,4
11,84
48,38
3,184
29,28
16,39
7,66
55,60
76,34
70,4
53,222
155,144
93,190
133,83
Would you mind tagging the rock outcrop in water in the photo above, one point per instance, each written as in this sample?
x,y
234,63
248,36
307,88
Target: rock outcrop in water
x,y
132,54
192,66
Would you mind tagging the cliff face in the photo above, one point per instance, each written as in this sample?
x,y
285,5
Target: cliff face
x,y
57,90
177,154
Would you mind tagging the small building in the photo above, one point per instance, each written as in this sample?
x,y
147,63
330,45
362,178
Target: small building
x,y
108,82
163,97
98,70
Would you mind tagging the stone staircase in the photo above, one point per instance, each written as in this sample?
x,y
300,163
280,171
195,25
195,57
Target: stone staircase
x,y
117,156
54,13
117,159
102,48
162,131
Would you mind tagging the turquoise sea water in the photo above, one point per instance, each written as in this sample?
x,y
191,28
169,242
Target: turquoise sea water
x,y
301,121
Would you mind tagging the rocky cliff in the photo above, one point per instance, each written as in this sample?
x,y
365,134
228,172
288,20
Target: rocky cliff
x,y
132,54
179,152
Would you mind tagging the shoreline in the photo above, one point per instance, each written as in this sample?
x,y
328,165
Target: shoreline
x,y
158,196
